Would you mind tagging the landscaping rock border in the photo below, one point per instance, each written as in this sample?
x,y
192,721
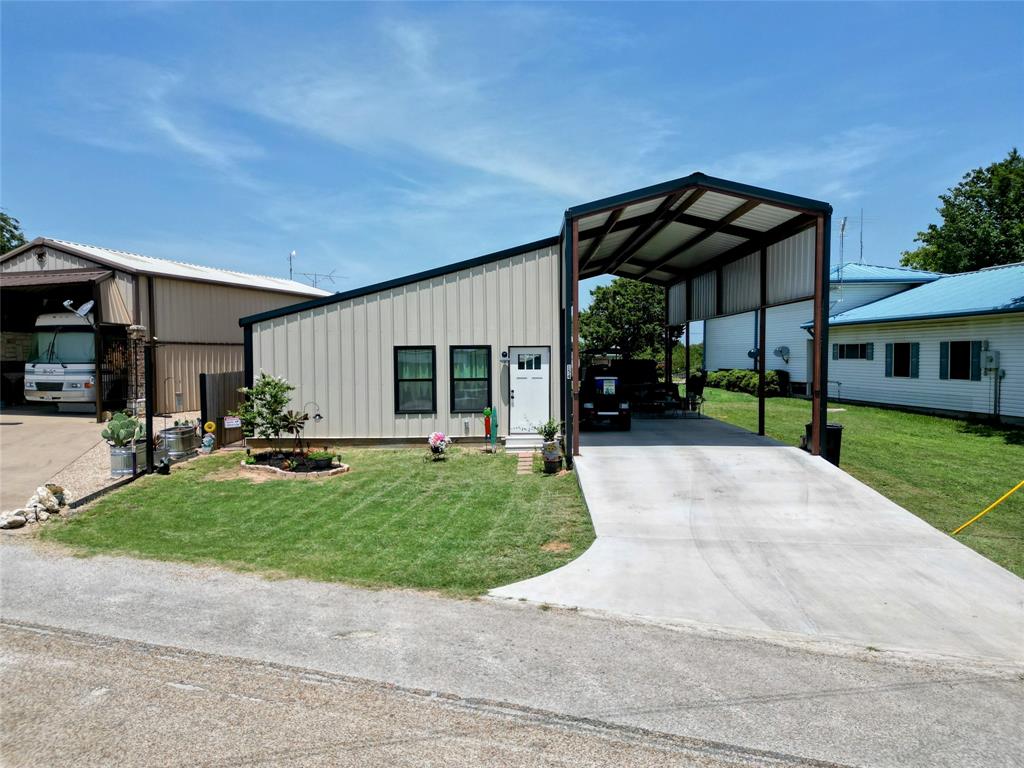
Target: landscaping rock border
x,y
266,468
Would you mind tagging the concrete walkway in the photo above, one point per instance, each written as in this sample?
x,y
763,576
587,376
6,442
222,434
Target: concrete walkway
x,y
35,443
700,521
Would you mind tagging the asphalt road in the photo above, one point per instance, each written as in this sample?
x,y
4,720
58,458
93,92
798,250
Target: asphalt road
x,y
842,704
72,699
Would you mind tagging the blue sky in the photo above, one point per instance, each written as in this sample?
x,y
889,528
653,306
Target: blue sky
x,y
382,139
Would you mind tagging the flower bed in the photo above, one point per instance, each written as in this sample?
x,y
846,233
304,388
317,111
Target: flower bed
x,y
305,472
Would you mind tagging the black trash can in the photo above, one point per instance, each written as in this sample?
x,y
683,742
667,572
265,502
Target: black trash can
x,y
833,441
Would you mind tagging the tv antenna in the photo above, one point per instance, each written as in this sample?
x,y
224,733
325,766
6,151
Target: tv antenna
x,y
315,277
861,235
291,258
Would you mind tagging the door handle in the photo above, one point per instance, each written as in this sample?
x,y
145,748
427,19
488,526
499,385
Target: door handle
x,y
511,394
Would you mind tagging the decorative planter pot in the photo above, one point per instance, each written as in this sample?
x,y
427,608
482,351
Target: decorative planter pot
x,y
121,459
180,442
322,463
552,453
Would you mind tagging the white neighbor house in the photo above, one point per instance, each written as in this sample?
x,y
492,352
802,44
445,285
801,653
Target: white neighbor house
x,y
729,339
953,345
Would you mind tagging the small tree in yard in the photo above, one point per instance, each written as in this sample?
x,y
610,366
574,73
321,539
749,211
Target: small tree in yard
x,y
627,317
263,410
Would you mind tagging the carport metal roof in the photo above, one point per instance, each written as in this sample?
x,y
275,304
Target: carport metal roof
x,y
666,232
55,277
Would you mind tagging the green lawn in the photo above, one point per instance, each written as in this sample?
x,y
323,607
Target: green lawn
x,y
944,471
460,526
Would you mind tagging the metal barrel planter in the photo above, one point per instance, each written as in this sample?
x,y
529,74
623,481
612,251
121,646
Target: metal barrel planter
x,y
180,442
121,464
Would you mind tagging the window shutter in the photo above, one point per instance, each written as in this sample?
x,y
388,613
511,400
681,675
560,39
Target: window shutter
x,y
869,351
943,359
915,356
975,361
835,351
888,361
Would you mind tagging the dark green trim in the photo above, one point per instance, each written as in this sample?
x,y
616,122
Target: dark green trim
x,y
399,282
699,180
399,411
451,378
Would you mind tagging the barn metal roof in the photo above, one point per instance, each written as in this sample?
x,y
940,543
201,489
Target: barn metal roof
x,y
137,263
852,272
989,291
667,232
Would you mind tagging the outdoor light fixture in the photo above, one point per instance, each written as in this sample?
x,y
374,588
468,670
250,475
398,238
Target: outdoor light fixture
x,y
317,416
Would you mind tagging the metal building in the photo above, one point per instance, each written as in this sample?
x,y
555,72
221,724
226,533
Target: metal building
x,y
192,311
403,358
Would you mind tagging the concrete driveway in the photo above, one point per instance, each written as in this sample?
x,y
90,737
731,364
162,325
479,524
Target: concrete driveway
x,y
700,521
35,443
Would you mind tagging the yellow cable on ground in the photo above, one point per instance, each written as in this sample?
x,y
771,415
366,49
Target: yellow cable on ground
x,y
991,506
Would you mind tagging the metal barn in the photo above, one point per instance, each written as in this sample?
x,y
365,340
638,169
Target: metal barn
x,y
190,310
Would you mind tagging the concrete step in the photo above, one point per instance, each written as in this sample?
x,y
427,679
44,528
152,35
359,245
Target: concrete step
x,y
523,443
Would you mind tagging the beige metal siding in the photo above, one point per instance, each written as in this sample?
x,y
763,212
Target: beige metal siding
x,y
341,356
741,284
703,296
114,308
27,262
865,380
207,312
791,268
179,365
677,304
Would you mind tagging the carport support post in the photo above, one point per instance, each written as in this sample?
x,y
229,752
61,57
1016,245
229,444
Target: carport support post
x,y
147,368
819,391
98,347
668,345
575,337
762,341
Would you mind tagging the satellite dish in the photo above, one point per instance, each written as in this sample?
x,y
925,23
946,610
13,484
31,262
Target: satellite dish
x,y
83,310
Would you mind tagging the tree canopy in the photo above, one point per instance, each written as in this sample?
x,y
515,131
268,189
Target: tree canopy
x,y
982,222
626,316
11,235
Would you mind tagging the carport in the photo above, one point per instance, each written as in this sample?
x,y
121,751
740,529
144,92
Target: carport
x,y
718,247
26,295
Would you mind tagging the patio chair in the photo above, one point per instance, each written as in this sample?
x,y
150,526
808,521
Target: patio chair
x,y
695,393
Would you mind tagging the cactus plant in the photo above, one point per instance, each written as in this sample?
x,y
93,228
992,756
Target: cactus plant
x,y
123,429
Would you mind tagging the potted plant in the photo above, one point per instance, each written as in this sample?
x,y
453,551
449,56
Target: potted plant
x,y
438,443
126,436
320,459
551,450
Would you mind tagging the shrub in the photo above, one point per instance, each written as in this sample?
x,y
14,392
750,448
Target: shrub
x,y
744,380
262,409
549,430
319,455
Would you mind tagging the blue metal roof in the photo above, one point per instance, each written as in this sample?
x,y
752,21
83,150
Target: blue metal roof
x,y
852,272
988,291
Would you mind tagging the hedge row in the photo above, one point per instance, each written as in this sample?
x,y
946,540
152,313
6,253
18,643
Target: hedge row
x,y
742,380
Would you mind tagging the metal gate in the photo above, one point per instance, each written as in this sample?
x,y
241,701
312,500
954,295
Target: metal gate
x,y
114,369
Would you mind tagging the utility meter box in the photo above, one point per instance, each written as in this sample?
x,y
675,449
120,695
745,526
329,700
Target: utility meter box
x,y
990,359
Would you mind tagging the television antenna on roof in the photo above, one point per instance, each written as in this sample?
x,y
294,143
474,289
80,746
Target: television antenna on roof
x,y
291,258
315,277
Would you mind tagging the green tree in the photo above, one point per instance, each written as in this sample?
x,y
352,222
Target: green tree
x,y
982,222
11,235
679,358
626,316
262,408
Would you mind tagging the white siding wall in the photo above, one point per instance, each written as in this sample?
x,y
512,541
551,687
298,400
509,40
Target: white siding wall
x,y
865,380
341,356
852,295
727,339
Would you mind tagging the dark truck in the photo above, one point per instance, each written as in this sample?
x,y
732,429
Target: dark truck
x,y
613,389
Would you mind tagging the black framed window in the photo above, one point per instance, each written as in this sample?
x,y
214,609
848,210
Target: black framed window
x,y
853,351
902,360
471,379
415,380
960,360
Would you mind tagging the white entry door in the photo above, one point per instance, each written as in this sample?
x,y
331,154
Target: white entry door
x,y
529,369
